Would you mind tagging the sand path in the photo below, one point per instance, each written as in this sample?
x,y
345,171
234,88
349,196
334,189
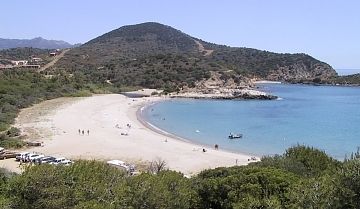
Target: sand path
x,y
54,61
56,123
202,49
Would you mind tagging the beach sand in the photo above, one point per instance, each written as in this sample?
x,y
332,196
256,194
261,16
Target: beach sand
x,y
56,124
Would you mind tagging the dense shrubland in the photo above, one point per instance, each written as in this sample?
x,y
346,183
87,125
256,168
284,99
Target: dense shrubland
x,y
303,177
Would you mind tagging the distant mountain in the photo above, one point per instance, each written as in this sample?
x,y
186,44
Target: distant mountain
x,y
38,42
155,55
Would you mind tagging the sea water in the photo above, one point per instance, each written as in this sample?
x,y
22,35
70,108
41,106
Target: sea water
x,y
325,117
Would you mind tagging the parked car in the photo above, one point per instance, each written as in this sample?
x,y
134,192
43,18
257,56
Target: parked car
x,y
66,162
121,164
46,159
57,161
21,155
33,157
27,157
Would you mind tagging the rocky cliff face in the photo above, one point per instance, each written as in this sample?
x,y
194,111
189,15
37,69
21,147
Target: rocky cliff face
x,y
301,71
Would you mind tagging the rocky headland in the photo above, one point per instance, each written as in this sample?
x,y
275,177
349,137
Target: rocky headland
x,y
217,88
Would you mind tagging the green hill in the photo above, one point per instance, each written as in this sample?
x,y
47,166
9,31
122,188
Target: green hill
x,y
159,56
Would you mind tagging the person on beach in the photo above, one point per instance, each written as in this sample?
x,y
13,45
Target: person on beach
x,y
82,132
88,132
204,150
79,131
216,146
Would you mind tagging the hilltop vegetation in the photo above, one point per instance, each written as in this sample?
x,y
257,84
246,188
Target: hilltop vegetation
x,y
153,49
301,178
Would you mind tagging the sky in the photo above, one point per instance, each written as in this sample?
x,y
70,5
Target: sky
x,y
328,30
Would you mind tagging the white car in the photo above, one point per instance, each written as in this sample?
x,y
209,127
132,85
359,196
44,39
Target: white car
x,y
46,159
121,164
33,156
58,161
66,162
22,156
37,158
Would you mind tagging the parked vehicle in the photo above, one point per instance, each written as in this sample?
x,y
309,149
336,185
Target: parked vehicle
x,y
66,162
33,157
121,164
21,155
46,159
27,157
57,161
7,155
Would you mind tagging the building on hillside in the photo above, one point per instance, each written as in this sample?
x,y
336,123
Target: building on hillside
x,y
2,66
53,54
36,59
19,62
30,66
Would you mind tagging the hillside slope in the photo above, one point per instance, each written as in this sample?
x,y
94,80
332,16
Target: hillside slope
x,y
156,55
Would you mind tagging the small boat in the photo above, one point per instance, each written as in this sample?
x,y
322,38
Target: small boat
x,y
235,136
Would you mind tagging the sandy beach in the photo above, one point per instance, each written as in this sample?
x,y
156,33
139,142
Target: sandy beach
x,y
56,124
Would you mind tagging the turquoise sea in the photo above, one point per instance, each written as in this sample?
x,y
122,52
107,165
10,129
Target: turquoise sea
x,y
326,117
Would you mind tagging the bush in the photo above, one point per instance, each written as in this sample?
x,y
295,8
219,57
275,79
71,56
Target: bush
x,y
13,132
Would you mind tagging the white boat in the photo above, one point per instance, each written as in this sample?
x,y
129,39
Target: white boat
x,y
235,136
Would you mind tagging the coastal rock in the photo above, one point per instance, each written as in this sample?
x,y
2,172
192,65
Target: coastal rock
x,y
217,88
301,71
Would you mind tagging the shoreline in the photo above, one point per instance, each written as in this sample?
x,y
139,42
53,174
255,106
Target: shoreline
x,y
154,128
267,82
158,130
99,114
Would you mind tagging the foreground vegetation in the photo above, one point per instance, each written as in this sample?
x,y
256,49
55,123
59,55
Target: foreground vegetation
x,y
303,177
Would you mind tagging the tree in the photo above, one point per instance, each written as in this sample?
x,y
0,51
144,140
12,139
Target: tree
x,y
52,187
157,165
243,187
320,192
165,190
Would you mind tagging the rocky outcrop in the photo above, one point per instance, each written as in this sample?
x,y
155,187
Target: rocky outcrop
x,y
235,94
218,88
300,71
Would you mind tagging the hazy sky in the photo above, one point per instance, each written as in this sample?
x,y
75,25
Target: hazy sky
x,y
328,30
